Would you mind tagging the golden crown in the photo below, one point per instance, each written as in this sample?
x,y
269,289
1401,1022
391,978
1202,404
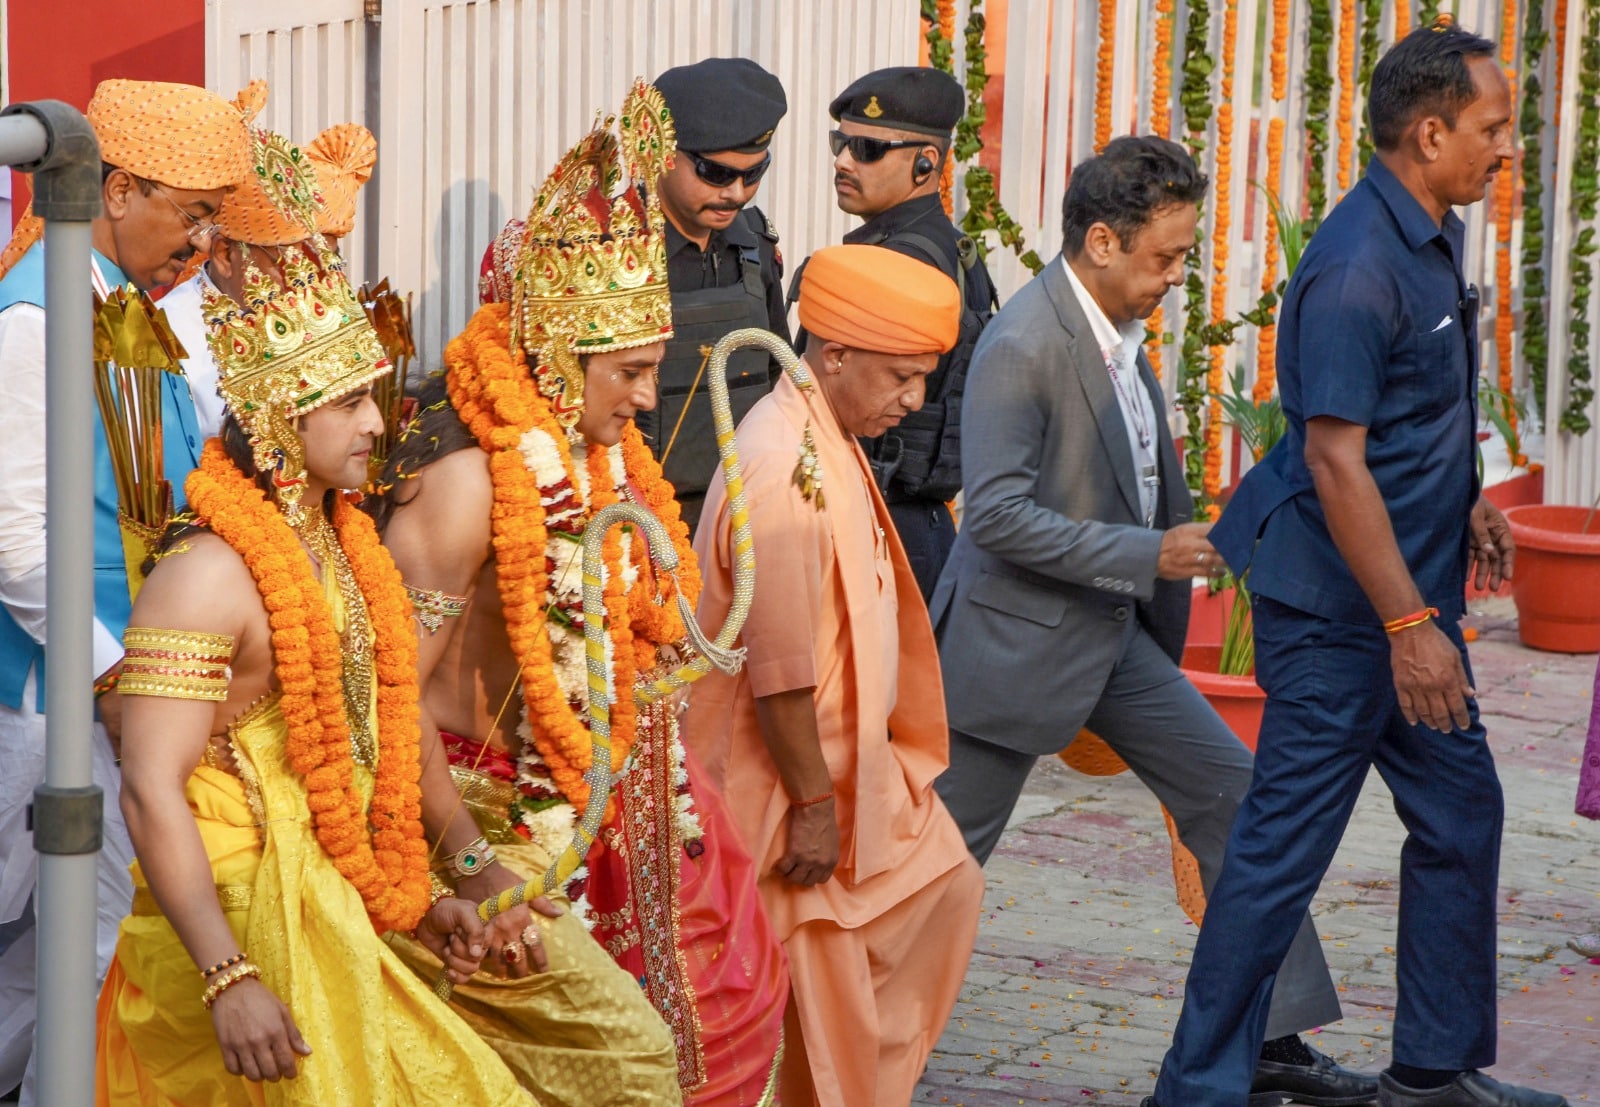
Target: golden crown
x,y
288,350
592,272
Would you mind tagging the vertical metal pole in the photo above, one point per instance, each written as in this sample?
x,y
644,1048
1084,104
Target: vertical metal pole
x,y
67,806
66,893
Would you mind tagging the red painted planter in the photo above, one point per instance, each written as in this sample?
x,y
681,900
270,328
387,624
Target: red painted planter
x,y
1557,577
1238,699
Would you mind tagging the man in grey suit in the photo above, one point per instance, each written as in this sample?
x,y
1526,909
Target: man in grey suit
x,y
1066,599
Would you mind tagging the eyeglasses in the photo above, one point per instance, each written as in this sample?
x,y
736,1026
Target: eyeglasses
x,y
199,229
717,175
866,149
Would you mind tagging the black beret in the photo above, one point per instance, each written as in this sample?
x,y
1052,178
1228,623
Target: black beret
x,y
906,97
723,104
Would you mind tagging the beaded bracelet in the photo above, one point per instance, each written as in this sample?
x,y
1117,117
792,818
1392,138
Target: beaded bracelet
x,y
1406,622
228,980
813,801
237,958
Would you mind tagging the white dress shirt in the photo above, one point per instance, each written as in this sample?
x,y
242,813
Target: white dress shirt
x,y
1119,349
185,317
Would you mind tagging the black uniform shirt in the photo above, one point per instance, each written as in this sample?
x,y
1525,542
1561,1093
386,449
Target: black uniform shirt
x,y
690,268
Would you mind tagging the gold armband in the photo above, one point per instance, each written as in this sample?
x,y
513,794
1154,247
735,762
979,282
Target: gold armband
x,y
176,664
433,607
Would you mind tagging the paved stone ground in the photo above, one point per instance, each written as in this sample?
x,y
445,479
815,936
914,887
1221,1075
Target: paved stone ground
x,y
1079,969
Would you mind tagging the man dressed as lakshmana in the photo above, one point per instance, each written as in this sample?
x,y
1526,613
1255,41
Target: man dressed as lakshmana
x,y
828,743
271,774
491,493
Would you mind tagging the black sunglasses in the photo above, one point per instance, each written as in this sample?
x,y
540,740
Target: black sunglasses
x,y
865,149
717,175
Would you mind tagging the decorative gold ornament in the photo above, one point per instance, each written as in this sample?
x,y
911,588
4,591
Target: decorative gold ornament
x,y
872,110
591,275
808,471
290,349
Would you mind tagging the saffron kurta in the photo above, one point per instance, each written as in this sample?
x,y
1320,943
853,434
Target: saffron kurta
x,y
837,609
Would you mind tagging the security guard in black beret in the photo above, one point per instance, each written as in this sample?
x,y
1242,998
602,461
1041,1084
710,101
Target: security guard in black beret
x,y
894,133
723,264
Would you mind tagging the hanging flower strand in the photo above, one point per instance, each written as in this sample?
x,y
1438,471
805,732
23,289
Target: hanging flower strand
x,y
1105,69
1347,90
1221,228
1160,125
1504,196
1267,335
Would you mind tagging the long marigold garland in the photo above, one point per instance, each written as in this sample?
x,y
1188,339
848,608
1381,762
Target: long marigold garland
x,y
1402,19
1267,335
494,394
380,850
1347,91
1221,227
1105,70
1161,125
1504,199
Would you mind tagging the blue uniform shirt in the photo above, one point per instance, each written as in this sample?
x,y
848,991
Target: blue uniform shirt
x,y
1378,328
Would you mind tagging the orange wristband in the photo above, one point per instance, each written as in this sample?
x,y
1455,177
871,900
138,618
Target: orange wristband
x,y
813,801
1406,622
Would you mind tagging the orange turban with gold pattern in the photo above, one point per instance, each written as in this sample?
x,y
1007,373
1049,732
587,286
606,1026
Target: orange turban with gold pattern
x,y
179,135
872,298
343,157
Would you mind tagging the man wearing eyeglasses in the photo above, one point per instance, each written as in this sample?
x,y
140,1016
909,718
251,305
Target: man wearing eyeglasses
x,y
889,151
723,264
170,152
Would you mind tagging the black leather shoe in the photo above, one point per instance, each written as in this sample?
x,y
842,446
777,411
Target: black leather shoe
x,y
1470,1089
1323,1083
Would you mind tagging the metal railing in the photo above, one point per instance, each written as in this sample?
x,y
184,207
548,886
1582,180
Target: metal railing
x,y
54,142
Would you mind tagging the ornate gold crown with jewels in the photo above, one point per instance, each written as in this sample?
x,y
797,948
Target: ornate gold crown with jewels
x,y
290,349
592,272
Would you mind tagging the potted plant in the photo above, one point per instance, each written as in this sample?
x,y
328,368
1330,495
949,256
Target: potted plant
x,y
1557,588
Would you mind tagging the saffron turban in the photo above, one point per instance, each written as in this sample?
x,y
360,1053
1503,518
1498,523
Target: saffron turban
x,y
179,135
343,157
872,298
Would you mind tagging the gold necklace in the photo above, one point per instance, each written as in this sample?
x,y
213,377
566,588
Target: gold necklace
x,y
355,640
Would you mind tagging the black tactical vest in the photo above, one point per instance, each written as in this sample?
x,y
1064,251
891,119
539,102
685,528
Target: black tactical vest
x,y
699,318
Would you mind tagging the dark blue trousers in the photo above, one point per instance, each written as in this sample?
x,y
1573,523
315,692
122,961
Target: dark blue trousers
x,y
1331,712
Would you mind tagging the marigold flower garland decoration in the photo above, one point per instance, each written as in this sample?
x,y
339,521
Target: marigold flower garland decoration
x,y
380,850
1160,124
540,499
1267,335
1347,91
1221,226
1504,198
1105,69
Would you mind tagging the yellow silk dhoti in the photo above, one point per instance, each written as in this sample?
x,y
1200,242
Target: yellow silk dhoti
x,y
379,1036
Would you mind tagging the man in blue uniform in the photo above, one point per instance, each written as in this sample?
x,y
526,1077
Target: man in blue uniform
x,y
1358,532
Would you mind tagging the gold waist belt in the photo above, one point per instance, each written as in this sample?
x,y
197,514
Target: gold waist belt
x,y
231,897
490,802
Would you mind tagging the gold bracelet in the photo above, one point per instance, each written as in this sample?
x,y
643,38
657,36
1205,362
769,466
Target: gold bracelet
x,y
438,889
176,664
228,980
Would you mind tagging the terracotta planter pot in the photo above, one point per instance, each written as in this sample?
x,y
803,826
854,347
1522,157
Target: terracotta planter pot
x,y
1238,699
1557,585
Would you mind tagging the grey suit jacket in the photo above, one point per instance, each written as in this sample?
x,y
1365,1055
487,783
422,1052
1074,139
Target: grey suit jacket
x,y
1053,558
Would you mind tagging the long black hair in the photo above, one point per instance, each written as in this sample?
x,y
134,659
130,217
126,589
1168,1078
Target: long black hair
x,y
435,432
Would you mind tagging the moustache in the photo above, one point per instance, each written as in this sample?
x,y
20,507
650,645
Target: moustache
x,y
723,207
845,178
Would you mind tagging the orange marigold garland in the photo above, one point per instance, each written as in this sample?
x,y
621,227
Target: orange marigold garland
x,y
1105,70
1160,124
1402,20
379,850
1212,485
1267,336
1347,89
947,179
494,394
1504,199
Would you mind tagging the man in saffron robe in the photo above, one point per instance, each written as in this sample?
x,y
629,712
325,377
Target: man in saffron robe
x,y
829,741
